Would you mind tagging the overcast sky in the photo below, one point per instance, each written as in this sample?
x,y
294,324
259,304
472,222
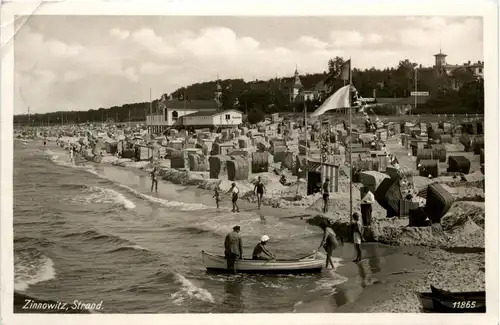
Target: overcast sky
x,y
87,62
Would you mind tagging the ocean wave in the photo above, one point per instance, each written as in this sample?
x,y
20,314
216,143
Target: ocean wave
x,y
39,223
33,241
73,186
128,248
171,204
167,203
195,230
189,290
96,194
63,159
31,267
92,235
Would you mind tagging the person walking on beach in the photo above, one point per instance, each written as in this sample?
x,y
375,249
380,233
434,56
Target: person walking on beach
x,y
233,248
357,234
326,195
366,208
329,243
154,179
259,190
234,192
216,196
71,154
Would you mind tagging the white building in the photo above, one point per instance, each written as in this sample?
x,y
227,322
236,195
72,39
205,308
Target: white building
x,y
174,110
203,119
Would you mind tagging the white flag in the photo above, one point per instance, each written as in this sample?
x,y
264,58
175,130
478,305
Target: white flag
x,y
340,99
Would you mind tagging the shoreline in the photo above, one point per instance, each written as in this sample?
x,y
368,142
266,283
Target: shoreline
x,y
466,214
398,294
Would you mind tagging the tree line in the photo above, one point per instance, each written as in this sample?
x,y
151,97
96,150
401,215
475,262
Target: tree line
x,y
269,96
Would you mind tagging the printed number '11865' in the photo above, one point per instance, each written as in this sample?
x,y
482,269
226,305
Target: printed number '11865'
x,y
464,304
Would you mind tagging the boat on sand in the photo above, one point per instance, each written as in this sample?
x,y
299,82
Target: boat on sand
x,y
443,301
308,264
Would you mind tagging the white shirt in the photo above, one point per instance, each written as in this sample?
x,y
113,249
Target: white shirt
x,y
369,198
235,190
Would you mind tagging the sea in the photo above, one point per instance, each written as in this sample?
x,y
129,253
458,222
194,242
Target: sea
x,y
95,233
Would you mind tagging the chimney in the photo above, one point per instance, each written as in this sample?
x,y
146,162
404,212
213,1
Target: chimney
x,y
420,67
468,63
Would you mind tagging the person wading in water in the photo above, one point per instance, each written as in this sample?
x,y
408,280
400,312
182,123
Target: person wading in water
x,y
233,248
216,196
357,235
329,243
326,195
259,190
234,192
154,179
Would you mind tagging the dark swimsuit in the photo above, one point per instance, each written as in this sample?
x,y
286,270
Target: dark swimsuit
x,y
260,188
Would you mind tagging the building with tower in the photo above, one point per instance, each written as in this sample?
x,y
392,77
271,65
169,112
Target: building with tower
x,y
441,67
183,112
296,91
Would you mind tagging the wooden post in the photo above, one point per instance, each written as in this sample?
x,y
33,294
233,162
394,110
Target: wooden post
x,y
337,178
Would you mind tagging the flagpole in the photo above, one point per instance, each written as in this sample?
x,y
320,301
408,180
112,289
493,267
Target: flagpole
x,y
150,114
307,151
321,140
344,83
415,90
350,142
184,111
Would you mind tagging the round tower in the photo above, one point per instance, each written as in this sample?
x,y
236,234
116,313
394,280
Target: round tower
x,y
440,59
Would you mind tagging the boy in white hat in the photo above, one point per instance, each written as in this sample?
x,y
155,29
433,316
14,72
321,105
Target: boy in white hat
x,y
260,252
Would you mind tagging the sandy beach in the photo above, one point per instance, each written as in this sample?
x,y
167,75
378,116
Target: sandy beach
x,y
448,254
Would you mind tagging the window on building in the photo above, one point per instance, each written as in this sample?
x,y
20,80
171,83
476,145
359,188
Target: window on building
x,y
228,116
175,115
480,70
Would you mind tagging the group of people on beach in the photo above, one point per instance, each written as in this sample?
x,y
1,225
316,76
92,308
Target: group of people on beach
x,y
259,190
233,245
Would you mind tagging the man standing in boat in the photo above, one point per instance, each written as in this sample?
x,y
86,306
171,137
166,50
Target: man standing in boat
x,y
233,248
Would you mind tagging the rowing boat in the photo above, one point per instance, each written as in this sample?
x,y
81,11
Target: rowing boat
x,y
461,302
308,264
466,295
443,301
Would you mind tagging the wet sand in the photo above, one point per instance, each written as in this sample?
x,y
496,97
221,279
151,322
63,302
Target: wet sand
x,y
385,280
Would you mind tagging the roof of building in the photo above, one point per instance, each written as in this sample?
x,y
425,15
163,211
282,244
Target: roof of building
x,y
320,86
192,104
296,80
209,113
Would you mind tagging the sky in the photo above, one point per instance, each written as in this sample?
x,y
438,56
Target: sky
x,y
87,62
